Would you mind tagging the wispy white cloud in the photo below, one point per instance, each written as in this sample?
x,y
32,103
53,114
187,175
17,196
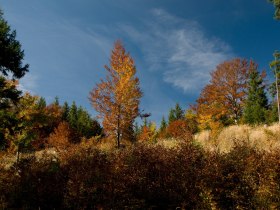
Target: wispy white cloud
x,y
28,83
179,49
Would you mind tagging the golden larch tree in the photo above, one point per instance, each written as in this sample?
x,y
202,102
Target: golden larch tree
x,y
117,97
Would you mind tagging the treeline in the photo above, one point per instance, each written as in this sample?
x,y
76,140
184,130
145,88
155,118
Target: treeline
x,y
31,124
26,121
236,94
144,177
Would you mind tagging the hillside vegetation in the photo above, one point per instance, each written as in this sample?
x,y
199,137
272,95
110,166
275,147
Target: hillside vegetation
x,y
223,152
230,171
263,138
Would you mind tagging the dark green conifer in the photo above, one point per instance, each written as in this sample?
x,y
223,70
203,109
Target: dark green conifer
x,y
179,113
163,124
65,111
42,103
56,101
73,115
11,63
175,114
256,103
171,116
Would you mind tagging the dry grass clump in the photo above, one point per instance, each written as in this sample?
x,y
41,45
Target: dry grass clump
x,y
170,143
265,138
7,160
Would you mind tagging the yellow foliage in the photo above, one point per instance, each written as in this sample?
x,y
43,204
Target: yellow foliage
x,y
117,98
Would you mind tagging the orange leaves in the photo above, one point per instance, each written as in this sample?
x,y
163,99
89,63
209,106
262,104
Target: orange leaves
x,y
61,136
117,98
224,97
178,129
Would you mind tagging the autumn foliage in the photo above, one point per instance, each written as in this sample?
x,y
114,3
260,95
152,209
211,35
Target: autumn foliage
x,y
117,98
179,129
74,170
145,177
61,136
223,99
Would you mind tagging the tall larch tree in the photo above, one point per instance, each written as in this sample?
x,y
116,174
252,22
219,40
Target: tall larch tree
x,y
117,98
256,103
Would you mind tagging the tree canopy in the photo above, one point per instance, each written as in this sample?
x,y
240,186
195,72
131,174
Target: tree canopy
x,y
11,54
256,103
11,63
223,99
117,98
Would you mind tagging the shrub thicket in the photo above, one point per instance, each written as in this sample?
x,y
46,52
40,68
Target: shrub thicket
x,y
143,177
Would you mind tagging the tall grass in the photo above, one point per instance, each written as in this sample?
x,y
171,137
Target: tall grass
x,y
264,138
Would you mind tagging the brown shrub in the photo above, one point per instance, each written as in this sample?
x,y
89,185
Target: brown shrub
x,y
61,136
179,129
148,134
145,176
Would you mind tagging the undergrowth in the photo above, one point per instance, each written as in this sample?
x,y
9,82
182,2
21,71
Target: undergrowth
x,y
144,176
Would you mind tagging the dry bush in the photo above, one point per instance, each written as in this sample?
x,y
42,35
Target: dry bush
x,y
88,182
32,185
179,129
145,176
163,178
234,178
148,134
269,190
169,143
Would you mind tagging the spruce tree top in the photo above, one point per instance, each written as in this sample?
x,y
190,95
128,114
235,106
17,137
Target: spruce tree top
x,y
11,55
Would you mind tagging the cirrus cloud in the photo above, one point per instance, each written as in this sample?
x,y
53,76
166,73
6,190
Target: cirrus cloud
x,y
179,49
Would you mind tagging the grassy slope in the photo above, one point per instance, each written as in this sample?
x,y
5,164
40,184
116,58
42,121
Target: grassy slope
x,y
262,137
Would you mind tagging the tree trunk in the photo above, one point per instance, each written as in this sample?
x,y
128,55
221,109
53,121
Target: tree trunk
x,y
277,93
17,155
118,129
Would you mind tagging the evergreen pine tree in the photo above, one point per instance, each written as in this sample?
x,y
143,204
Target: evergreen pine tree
x,y
56,101
65,111
163,124
272,113
175,114
42,103
171,116
11,63
73,116
179,113
84,123
256,103
80,121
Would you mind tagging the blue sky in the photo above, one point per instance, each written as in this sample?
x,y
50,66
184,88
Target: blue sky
x,y
175,44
